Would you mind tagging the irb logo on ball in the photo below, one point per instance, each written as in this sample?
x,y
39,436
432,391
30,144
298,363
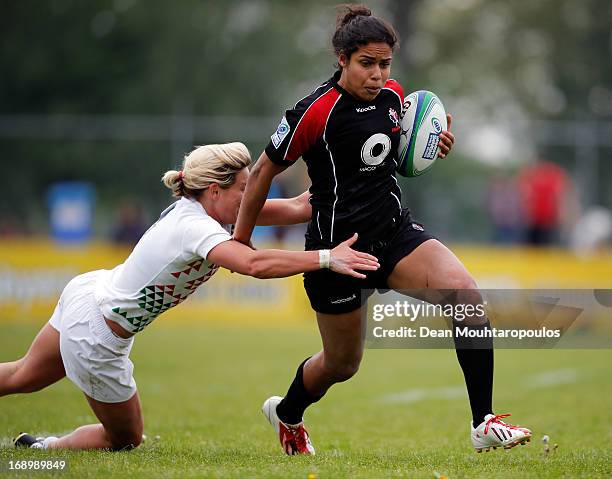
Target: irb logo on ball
x,y
436,125
424,118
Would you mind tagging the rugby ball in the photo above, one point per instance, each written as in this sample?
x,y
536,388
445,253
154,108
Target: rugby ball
x,y
423,119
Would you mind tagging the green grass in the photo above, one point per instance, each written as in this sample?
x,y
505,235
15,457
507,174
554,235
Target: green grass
x,y
202,387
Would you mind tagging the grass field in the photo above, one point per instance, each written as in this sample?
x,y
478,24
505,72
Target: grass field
x,y
404,415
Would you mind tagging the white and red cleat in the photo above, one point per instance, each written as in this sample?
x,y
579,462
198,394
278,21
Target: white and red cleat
x,y
294,438
494,433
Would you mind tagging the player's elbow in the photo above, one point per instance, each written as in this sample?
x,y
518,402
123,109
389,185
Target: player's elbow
x,y
255,170
262,167
307,215
303,207
303,212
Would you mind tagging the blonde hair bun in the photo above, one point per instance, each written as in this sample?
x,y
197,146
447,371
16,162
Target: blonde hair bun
x,y
205,165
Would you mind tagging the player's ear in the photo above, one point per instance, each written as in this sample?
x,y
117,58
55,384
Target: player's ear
x,y
214,190
342,60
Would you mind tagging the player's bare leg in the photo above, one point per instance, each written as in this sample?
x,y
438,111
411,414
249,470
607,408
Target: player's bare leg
x,y
341,355
121,428
338,361
40,367
432,265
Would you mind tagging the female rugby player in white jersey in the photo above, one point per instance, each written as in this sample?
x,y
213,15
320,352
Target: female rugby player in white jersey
x,y
347,131
90,334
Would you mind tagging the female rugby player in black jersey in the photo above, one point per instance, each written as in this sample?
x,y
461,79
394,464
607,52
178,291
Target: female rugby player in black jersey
x,y
347,131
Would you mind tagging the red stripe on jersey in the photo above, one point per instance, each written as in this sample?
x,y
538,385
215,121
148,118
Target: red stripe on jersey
x,y
311,126
396,87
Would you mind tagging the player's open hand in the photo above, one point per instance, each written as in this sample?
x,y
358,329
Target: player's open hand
x,y
447,139
346,260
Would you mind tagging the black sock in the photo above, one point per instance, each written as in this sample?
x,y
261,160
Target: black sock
x,y
476,359
291,409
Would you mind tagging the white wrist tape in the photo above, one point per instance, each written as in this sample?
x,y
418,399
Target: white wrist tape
x,y
324,258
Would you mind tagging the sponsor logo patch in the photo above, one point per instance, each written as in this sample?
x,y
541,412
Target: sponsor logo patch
x,y
365,108
280,133
344,300
418,227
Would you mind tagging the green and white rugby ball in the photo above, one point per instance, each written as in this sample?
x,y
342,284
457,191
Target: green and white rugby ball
x,y
423,119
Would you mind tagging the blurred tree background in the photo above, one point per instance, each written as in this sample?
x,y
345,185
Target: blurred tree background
x,y
114,92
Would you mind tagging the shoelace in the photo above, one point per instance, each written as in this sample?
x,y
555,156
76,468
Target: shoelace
x,y
300,438
496,419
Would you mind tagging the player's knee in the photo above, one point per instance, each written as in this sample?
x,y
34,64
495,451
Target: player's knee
x,y
127,439
345,369
348,371
469,293
461,281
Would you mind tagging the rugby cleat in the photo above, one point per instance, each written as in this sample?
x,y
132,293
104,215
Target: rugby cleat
x,y
494,433
294,438
26,440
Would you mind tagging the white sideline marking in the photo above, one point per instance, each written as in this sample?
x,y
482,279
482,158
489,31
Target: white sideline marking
x,y
416,395
552,378
536,381
6,442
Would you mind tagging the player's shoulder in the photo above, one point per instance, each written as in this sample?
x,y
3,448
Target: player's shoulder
x,y
186,207
314,95
189,212
310,114
197,228
395,87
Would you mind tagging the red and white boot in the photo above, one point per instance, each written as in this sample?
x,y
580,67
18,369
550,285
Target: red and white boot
x,y
294,438
494,433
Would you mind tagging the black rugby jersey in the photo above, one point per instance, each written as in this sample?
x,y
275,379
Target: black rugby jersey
x,y
350,149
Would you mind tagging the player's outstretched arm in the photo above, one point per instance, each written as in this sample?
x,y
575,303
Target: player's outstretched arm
x,y
274,263
258,186
286,211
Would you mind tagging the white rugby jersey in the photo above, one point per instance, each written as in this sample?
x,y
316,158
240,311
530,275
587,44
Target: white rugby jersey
x,y
166,266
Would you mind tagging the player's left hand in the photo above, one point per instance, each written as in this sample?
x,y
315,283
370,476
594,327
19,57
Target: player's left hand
x,y
345,260
447,139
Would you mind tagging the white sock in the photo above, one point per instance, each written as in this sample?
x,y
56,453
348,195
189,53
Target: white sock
x,y
48,441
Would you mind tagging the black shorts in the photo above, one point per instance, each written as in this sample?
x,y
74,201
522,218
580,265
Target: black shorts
x,y
334,293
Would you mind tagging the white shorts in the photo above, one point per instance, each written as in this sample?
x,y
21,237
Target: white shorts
x,y
95,359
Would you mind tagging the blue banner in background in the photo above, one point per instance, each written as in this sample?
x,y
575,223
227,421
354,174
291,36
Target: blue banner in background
x,y
71,211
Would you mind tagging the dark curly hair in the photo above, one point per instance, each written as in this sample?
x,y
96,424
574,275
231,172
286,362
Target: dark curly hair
x,y
356,26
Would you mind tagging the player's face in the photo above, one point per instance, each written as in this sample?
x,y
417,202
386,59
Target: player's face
x,y
231,197
366,71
